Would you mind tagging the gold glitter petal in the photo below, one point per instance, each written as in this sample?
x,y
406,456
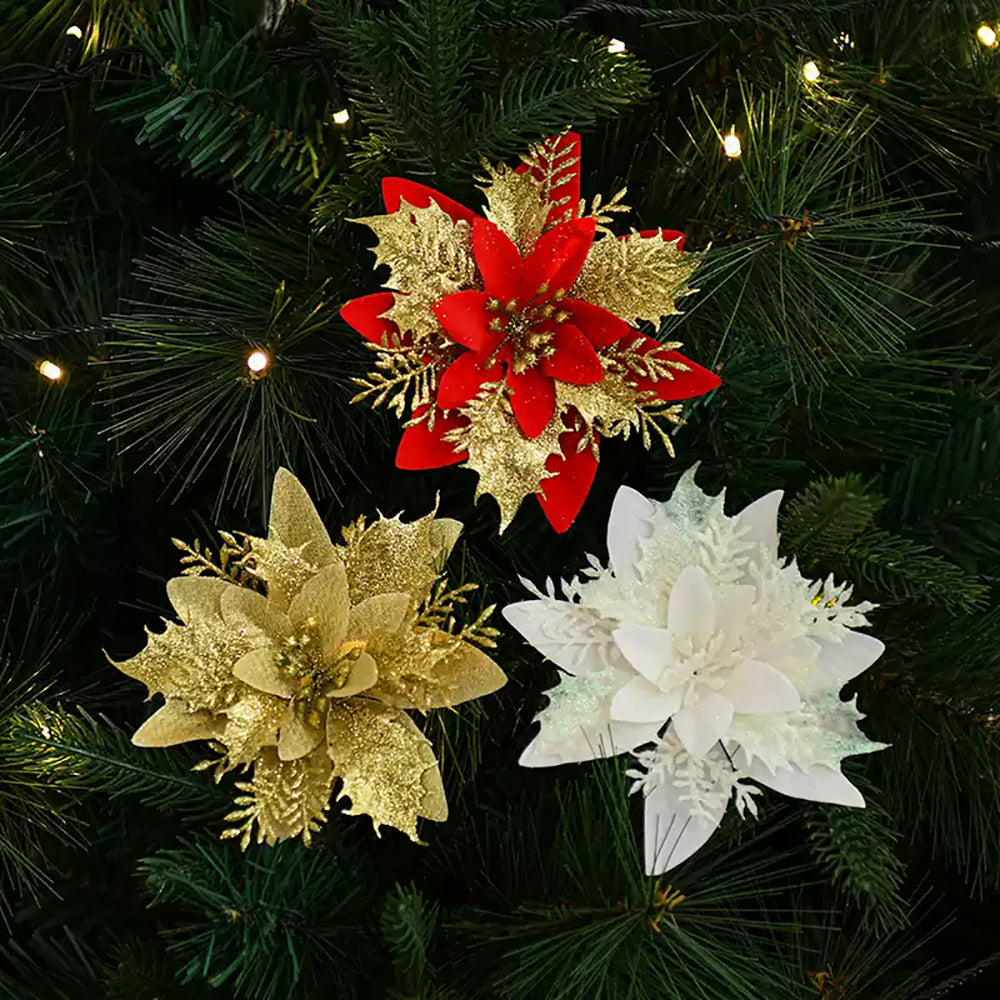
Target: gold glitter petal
x,y
197,598
363,675
515,204
295,737
429,255
287,798
390,557
323,601
637,278
510,465
387,765
251,724
427,668
382,613
252,615
258,669
173,723
294,519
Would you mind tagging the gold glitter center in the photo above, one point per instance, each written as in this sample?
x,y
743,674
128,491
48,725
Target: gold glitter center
x,y
523,334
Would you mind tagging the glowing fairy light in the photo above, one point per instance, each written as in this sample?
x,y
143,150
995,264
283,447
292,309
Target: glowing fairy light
x,y
810,71
616,47
731,144
50,370
257,362
987,36
341,116
74,31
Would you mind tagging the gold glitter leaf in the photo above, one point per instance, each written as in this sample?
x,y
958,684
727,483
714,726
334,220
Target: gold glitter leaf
x,y
429,255
510,465
297,545
390,557
173,723
427,668
387,765
639,277
515,204
192,662
286,798
252,723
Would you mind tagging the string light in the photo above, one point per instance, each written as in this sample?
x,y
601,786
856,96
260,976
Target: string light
x,y
810,71
731,144
616,46
341,116
75,31
844,41
987,36
257,362
50,370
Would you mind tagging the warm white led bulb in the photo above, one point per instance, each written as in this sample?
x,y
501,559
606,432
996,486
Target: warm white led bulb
x,y
731,144
810,71
341,116
75,31
257,361
50,370
987,36
616,46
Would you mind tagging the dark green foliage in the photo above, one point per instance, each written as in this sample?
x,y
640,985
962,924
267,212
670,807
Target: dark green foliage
x,y
174,194
270,924
857,849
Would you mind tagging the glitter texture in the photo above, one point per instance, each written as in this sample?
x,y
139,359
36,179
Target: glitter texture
x,y
708,657
308,683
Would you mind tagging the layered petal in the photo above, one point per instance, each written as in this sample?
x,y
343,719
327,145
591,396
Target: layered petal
x,y
641,701
464,377
466,320
588,742
602,328
628,525
673,832
556,259
398,189
701,725
691,611
367,316
295,737
668,235
563,493
646,648
197,598
424,447
816,784
533,400
322,604
381,613
572,636
759,521
254,616
855,653
684,382
173,724
363,676
575,360
756,688
258,669
498,260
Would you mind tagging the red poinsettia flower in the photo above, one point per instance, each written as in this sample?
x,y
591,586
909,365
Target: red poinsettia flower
x,y
524,328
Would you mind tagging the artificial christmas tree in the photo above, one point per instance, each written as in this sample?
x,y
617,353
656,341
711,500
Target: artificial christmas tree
x,y
180,280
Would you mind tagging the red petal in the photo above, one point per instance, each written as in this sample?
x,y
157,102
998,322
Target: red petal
x,y
498,260
696,381
533,400
567,186
421,196
669,236
466,320
464,377
600,326
365,315
557,257
562,495
421,448
575,360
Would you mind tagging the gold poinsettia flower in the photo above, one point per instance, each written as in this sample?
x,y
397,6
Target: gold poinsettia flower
x,y
309,682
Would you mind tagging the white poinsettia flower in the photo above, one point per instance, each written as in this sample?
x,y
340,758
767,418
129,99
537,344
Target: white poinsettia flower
x,y
705,655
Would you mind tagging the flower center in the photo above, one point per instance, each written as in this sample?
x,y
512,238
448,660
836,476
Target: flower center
x,y
707,668
528,330
313,678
